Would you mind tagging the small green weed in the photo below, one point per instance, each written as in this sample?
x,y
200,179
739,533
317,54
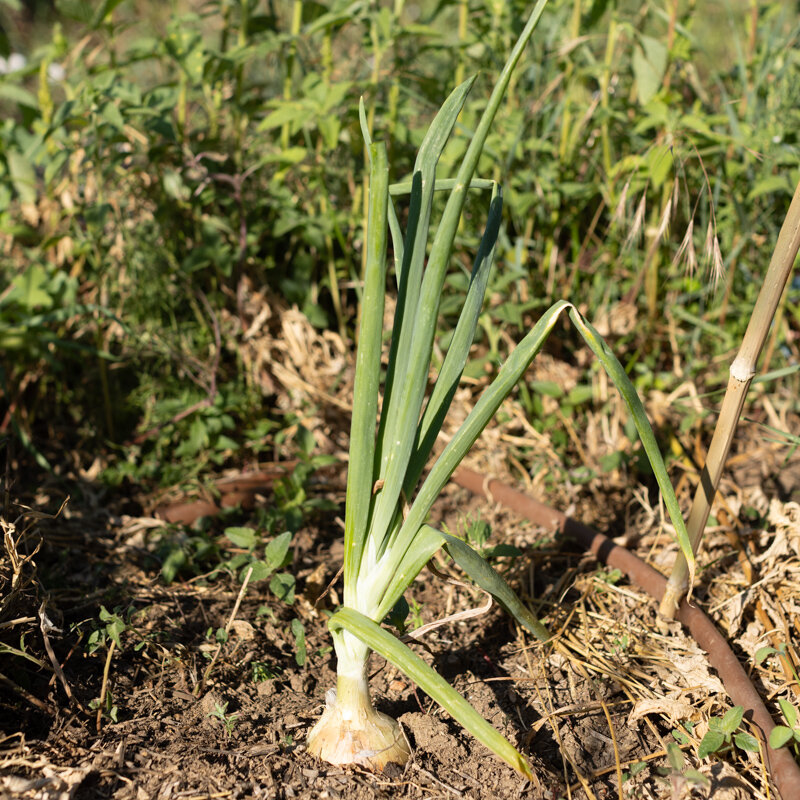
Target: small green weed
x,y
112,626
680,735
181,553
477,533
610,577
764,653
722,735
261,671
398,615
783,734
299,633
275,555
105,706
633,770
228,721
106,632
678,775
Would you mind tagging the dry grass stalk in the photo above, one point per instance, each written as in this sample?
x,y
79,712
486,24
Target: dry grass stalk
x,y
687,248
742,371
638,222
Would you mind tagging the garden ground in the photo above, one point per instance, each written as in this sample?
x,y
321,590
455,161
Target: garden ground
x,y
210,691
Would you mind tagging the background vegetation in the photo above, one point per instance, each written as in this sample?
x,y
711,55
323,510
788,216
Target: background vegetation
x,y
158,163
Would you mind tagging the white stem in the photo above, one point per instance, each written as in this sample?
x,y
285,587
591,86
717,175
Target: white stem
x,y
350,730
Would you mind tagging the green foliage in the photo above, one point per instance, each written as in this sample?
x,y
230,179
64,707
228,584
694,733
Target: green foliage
x,y
677,773
113,625
262,550
119,627
261,671
781,735
196,156
723,735
275,555
477,533
181,553
227,720
299,633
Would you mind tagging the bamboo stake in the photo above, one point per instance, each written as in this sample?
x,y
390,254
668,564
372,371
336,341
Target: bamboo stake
x,y
742,371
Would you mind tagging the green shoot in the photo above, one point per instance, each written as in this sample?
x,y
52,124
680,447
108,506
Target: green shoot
x,y
723,735
790,732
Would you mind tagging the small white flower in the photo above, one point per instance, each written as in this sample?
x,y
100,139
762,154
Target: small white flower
x,y
16,61
56,72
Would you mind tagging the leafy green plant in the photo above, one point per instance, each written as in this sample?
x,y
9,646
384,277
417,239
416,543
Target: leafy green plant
x,y
477,533
387,540
228,721
677,774
275,555
782,735
780,651
106,632
261,671
633,770
182,553
790,732
300,649
723,735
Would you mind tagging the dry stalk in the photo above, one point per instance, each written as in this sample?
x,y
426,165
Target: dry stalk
x,y
207,674
742,371
104,688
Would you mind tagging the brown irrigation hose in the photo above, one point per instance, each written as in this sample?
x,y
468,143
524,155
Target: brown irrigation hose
x,y
782,767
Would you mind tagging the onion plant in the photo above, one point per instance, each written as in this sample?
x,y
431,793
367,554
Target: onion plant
x,y
387,538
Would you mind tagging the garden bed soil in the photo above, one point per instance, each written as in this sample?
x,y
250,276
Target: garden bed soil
x,y
609,697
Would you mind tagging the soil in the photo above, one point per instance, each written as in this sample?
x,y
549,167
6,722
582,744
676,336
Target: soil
x,y
240,732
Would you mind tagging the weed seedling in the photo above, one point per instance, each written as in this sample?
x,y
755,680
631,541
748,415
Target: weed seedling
x,y
263,671
790,732
722,735
276,555
299,633
107,635
220,712
677,774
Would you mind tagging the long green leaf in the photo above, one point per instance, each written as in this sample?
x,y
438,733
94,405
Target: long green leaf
x,y
490,401
404,415
626,388
430,294
394,224
473,425
435,685
490,580
428,540
368,370
441,185
458,351
406,377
